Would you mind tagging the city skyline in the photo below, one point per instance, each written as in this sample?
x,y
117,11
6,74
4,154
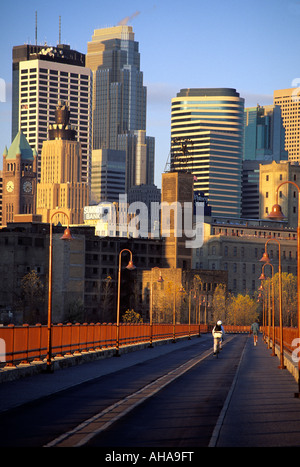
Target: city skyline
x,y
249,47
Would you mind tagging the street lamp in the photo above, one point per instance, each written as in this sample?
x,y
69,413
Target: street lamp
x,y
160,279
262,277
276,214
66,236
181,290
129,266
265,258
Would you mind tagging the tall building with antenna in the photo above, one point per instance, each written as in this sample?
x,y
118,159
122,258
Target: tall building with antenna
x,y
42,76
119,101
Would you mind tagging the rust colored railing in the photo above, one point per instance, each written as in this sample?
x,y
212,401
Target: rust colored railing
x,y
289,334
24,344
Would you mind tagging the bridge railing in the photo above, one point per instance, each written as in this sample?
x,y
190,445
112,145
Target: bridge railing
x,y
24,344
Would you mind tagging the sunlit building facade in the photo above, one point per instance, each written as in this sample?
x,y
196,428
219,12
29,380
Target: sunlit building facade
x,y
289,102
119,101
43,75
207,140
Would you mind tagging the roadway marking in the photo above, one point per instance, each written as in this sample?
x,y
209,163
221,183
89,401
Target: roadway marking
x,y
219,424
91,427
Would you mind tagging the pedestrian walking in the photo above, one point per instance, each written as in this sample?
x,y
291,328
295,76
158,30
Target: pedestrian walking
x,y
255,330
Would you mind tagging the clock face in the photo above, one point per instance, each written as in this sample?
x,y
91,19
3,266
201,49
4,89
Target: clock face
x,y
27,187
10,186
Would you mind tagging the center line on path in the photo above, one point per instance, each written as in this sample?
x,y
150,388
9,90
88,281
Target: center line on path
x,y
91,427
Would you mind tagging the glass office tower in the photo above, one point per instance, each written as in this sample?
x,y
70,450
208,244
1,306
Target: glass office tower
x,y
207,140
119,101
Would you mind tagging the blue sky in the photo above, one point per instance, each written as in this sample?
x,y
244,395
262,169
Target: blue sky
x,y
251,46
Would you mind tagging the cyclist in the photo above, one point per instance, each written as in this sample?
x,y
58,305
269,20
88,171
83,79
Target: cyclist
x,y
218,333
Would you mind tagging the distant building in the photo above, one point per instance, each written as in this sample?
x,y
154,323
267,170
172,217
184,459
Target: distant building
x,y
43,75
264,141
177,189
207,140
61,168
289,102
270,176
19,178
150,195
237,245
108,175
119,101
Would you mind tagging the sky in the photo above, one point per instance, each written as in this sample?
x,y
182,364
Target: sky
x,y
249,45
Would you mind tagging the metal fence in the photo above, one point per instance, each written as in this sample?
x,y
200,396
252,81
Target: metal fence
x,y
24,344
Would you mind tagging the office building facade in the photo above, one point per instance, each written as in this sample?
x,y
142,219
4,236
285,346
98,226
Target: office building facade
x,y
207,140
108,175
264,142
41,77
270,177
119,101
289,102
61,169
19,178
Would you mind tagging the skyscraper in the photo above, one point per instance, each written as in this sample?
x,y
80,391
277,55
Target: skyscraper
x,y
43,75
289,102
61,161
207,140
119,101
264,141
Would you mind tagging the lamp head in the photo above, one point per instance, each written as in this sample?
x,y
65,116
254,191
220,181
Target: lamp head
x,y
130,266
265,258
67,235
262,277
276,213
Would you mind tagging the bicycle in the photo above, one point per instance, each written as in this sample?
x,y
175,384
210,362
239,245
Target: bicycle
x,y
216,353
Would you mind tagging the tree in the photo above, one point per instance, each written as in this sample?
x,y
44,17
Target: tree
x,y
107,300
289,297
130,316
242,310
219,303
33,297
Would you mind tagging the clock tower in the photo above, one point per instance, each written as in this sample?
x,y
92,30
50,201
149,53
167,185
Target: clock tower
x,y
19,179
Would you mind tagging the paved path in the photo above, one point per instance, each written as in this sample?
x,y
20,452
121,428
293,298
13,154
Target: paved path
x,y
261,409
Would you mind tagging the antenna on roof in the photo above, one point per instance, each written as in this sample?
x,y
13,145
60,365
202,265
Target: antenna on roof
x,y
36,28
59,37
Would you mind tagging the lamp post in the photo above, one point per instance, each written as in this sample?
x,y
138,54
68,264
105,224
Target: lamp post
x,y
262,277
276,214
174,311
129,266
66,236
265,258
160,279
